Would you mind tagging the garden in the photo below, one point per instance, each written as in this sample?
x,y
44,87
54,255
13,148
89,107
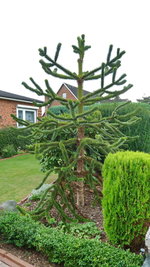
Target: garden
x,y
91,197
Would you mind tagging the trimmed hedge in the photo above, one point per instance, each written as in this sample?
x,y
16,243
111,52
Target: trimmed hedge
x,y
63,248
11,136
126,197
57,110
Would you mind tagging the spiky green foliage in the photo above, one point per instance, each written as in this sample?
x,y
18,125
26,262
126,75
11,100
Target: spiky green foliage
x,y
139,132
126,197
67,135
141,129
110,134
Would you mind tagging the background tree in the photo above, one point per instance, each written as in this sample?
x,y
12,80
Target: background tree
x,y
78,166
144,100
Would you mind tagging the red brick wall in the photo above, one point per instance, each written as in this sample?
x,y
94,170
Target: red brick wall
x,y
8,107
62,90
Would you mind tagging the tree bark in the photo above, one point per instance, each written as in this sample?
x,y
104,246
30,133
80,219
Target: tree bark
x,y
80,170
80,136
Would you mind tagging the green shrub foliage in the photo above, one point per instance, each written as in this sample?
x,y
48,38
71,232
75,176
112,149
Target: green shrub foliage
x,y
8,151
126,197
12,136
82,230
63,248
59,110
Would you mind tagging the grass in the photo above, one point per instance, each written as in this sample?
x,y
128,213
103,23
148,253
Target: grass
x,y
18,176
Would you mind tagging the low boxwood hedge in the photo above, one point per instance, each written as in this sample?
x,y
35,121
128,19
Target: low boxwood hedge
x,y
63,248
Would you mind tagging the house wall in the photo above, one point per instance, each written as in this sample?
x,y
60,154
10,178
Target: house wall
x,y
8,107
62,90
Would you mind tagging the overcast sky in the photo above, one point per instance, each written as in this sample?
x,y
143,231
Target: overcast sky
x,y
27,25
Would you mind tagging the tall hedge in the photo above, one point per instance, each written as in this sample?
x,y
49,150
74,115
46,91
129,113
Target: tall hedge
x,y
126,197
141,129
12,136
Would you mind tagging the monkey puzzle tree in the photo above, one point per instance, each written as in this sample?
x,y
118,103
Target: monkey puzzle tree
x,y
78,167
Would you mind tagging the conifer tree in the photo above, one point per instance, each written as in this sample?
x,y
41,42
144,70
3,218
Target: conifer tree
x,y
78,167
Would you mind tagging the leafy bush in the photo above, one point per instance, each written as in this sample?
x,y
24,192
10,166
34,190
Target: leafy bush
x,y
85,230
126,197
8,151
57,110
18,230
12,136
63,248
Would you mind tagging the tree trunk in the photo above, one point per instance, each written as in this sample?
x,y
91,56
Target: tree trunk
x,y
80,136
80,170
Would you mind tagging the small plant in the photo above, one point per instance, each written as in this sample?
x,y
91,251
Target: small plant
x,y
85,230
8,151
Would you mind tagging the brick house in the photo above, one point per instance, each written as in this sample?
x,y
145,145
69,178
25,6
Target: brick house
x,y
67,91
20,106
70,92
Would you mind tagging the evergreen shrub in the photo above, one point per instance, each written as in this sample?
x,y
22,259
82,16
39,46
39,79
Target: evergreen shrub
x,y
63,248
126,197
11,136
57,110
8,151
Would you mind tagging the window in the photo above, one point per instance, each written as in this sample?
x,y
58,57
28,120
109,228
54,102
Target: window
x,y
26,113
64,95
30,116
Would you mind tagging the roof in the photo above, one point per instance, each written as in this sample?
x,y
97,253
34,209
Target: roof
x,y
74,89
15,97
144,100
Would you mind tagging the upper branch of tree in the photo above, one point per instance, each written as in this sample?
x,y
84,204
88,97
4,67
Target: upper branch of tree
x,y
110,94
54,73
47,66
48,92
88,75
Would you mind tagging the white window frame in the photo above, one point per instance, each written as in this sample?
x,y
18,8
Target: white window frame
x,y
64,95
24,108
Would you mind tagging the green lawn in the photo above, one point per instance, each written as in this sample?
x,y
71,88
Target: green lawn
x,y
18,176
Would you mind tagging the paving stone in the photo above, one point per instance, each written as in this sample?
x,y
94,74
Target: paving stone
x,y
2,264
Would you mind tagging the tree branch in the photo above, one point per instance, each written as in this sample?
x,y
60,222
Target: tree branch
x,y
54,63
